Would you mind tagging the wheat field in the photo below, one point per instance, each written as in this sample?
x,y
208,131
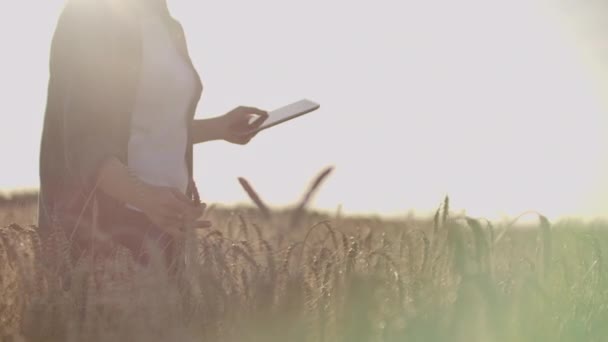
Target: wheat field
x,y
299,275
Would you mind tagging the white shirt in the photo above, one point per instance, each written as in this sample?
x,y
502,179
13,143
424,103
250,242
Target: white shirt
x,y
159,124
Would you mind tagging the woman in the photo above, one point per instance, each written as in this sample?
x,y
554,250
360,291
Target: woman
x,y
119,128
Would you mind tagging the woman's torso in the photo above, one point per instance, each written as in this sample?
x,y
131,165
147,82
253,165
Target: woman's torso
x,y
159,122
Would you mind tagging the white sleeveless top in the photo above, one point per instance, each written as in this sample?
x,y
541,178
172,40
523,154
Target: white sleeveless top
x,y
159,124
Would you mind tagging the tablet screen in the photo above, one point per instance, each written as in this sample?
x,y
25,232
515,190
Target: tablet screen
x,y
287,113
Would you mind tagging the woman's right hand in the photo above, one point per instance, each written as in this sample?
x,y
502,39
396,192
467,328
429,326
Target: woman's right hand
x,y
168,208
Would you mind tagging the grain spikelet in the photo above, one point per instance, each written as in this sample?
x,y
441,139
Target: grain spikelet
x,y
269,260
545,229
258,231
244,227
332,233
238,251
255,198
344,244
212,234
481,248
395,270
352,256
308,233
299,211
446,209
248,247
315,226
288,254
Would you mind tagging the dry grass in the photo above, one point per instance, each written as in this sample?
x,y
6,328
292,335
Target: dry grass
x,y
297,275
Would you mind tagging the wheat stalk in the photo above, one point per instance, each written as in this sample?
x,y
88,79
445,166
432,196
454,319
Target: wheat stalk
x,y
257,200
301,207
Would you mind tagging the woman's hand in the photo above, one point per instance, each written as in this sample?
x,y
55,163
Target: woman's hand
x,y
167,208
235,126
170,210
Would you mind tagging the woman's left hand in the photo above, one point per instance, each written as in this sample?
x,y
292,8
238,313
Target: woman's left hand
x,y
235,126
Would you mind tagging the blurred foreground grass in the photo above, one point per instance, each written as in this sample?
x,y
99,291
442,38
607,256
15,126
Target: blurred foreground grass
x,y
320,278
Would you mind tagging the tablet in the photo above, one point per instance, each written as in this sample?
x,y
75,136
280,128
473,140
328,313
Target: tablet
x,y
286,113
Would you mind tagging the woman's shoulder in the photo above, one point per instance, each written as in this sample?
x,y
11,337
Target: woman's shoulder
x,y
92,12
89,8
93,18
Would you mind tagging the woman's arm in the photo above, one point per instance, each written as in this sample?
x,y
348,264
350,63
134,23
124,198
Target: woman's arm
x,y
232,126
204,130
120,183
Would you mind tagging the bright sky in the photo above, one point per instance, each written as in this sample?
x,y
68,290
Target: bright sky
x,y
500,104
